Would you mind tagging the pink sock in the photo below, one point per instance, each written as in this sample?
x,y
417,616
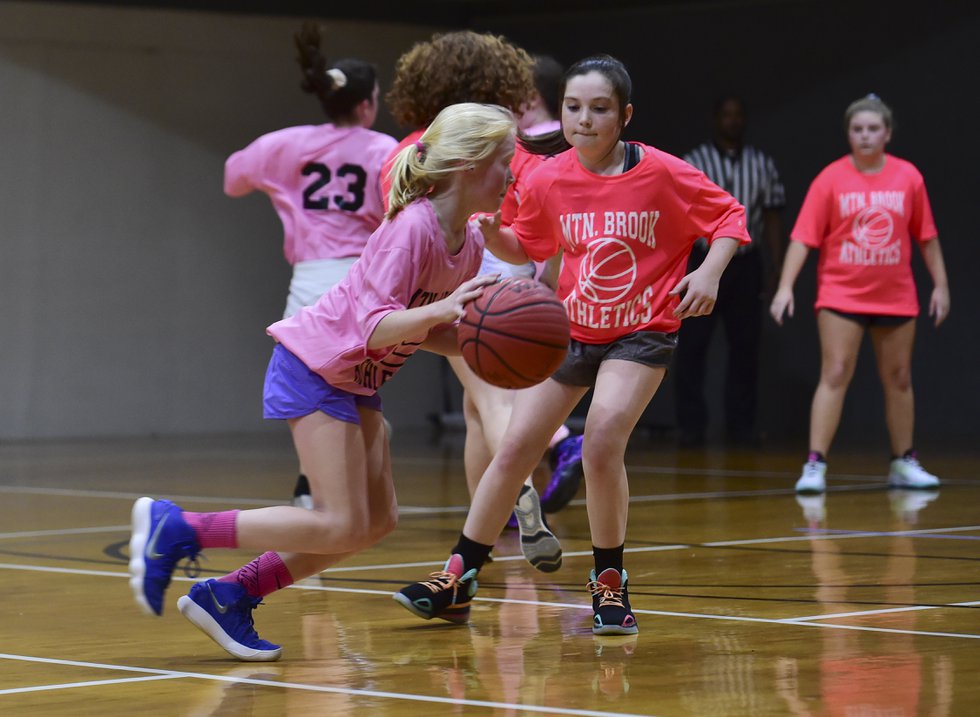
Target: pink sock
x,y
214,530
560,435
264,575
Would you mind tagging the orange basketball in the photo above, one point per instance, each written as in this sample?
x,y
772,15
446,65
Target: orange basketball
x,y
515,335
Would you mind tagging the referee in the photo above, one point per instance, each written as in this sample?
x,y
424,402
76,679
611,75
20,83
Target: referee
x,y
750,176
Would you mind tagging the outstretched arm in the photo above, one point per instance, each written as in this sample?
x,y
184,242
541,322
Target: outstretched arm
x,y
501,241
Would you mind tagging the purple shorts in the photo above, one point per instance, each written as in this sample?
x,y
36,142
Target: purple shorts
x,y
292,391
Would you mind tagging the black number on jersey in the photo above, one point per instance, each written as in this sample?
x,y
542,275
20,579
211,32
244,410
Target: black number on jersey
x,y
355,187
350,201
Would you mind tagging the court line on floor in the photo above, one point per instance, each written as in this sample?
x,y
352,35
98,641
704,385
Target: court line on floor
x,y
88,683
882,611
748,618
82,493
803,621
924,532
178,674
64,531
430,510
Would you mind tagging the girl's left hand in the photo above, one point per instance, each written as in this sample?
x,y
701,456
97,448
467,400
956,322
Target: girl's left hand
x,y
465,293
700,292
939,304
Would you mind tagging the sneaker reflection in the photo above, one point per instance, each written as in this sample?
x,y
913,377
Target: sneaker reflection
x,y
863,672
613,655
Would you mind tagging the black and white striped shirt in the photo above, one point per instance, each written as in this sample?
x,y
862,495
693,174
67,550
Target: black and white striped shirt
x,y
748,175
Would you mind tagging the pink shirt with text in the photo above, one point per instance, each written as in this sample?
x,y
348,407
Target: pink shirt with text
x,y
626,237
863,225
324,182
405,264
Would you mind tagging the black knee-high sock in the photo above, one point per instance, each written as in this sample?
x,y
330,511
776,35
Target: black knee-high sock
x,y
608,558
474,553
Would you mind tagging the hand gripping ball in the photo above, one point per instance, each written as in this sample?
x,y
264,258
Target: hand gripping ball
x,y
515,334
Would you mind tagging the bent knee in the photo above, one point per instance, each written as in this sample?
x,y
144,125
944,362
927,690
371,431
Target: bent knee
x,y
340,534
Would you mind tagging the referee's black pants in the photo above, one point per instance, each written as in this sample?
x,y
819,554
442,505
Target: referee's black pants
x,y
739,308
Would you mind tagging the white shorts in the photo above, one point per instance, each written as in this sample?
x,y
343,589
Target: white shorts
x,y
312,278
492,265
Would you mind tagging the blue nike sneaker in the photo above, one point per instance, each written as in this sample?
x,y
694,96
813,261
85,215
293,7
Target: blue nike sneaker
x,y
160,538
223,612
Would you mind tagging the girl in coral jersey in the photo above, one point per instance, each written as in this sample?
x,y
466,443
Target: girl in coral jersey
x,y
626,215
410,285
862,213
324,180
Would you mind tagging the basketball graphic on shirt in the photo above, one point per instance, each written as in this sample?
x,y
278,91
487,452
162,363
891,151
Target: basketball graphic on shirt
x,y
608,271
873,227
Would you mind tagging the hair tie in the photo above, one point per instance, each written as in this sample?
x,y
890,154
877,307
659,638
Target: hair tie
x,y
338,77
420,147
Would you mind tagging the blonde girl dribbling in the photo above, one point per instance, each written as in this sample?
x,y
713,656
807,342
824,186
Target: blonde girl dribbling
x,y
404,293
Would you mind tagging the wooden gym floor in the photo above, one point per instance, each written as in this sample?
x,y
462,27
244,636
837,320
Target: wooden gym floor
x,y
749,603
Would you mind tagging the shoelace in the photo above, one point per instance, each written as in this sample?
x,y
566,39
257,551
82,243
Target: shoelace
x,y
246,606
443,580
192,568
609,596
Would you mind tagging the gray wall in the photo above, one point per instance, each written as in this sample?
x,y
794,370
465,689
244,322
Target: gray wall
x,y
135,294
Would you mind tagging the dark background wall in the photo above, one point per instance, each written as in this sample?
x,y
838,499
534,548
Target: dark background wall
x,y
798,65
135,295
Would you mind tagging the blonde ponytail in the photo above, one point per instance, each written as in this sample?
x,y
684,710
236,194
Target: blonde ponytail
x,y
460,135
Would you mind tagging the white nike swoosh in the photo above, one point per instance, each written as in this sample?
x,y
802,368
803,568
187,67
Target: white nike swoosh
x,y
218,606
151,551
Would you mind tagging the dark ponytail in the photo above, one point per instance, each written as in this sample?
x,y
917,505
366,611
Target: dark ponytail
x,y
339,86
549,143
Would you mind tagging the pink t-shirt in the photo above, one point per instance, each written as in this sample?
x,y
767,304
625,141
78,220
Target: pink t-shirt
x,y
405,264
863,225
626,237
324,182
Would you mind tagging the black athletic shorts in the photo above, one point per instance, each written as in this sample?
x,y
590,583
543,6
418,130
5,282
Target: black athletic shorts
x,y
869,320
581,365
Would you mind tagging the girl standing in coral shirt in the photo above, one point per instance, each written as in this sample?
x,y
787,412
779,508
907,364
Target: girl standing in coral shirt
x,y
863,213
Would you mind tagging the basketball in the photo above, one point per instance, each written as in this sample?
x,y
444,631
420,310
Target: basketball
x,y
515,335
